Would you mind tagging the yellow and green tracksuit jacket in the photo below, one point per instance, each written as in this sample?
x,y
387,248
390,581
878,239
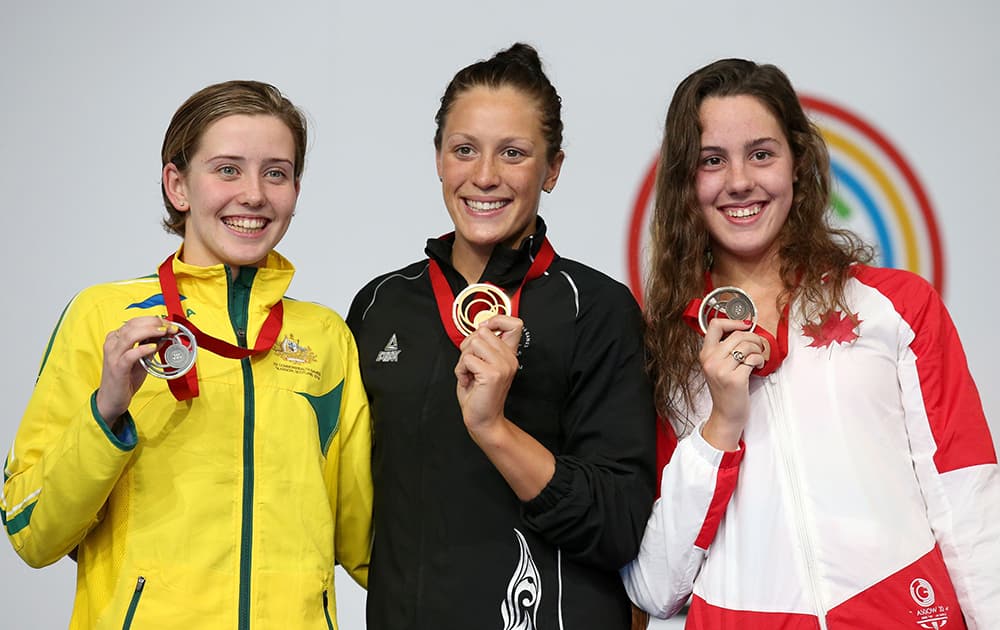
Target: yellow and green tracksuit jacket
x,y
229,510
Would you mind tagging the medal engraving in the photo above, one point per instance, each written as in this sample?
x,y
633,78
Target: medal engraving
x,y
476,303
175,354
731,302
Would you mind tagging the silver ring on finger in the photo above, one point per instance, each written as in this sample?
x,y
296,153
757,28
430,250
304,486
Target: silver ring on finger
x,y
738,356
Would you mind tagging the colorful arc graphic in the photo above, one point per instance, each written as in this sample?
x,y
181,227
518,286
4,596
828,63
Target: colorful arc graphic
x,y
866,176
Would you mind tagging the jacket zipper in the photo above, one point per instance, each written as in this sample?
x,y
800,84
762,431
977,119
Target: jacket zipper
x,y
239,304
326,610
788,457
134,603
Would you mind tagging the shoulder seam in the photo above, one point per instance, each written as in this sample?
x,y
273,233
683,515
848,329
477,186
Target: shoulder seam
x,y
364,313
576,291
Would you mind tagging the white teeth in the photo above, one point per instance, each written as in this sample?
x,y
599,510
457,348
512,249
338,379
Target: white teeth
x,y
245,224
484,206
741,213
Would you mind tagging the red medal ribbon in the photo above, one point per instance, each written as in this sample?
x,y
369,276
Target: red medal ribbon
x,y
445,298
186,387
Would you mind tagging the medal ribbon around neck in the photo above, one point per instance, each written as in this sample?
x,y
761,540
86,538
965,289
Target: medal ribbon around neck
x,y
186,387
446,300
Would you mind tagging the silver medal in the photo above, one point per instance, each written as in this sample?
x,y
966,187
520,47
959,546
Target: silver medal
x,y
732,302
178,351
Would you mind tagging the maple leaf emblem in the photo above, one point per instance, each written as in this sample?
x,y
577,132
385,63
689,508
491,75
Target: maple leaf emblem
x,y
833,326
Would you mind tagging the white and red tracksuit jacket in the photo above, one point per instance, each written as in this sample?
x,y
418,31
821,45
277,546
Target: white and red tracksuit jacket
x,y
866,493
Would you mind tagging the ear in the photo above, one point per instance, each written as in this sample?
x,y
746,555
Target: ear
x,y
175,187
554,168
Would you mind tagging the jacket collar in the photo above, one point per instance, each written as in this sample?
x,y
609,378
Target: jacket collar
x,y
506,266
270,281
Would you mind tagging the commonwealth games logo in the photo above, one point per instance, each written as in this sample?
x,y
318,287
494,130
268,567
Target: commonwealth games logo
x,y
875,193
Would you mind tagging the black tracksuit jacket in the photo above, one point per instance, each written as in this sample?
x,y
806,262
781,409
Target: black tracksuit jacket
x,y
454,548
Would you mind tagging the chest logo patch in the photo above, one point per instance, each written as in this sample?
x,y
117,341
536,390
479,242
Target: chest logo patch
x,y
833,327
929,615
155,301
389,354
290,349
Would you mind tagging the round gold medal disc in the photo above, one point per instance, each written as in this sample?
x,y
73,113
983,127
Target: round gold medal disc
x,y
476,303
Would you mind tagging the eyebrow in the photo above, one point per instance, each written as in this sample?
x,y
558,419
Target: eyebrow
x,y
240,158
752,144
470,138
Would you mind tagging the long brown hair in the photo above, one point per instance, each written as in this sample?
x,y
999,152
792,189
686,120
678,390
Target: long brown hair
x,y
814,255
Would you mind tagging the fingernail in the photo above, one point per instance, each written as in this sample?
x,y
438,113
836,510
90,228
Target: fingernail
x,y
747,321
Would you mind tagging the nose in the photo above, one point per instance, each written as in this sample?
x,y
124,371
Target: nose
x,y
253,192
486,176
738,178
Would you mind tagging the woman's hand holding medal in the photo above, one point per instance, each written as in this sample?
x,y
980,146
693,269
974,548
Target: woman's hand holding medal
x,y
485,371
122,373
730,352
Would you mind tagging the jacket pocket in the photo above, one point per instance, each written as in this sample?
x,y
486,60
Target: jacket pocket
x,y
326,610
134,603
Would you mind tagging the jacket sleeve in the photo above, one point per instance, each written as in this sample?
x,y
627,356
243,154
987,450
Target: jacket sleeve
x,y
952,449
695,488
65,460
599,498
349,475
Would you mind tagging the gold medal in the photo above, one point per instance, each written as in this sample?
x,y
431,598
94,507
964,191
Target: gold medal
x,y
476,303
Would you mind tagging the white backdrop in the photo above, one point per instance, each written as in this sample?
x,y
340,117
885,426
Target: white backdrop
x,y
89,87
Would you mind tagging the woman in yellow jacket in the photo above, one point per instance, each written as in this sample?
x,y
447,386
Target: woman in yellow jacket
x,y
223,494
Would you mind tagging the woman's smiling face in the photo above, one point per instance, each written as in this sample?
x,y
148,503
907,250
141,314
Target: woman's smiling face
x,y
493,167
239,191
745,177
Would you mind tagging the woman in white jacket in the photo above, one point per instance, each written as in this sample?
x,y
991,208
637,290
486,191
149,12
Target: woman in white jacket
x,y
835,468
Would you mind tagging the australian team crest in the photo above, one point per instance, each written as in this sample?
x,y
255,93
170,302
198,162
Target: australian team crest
x,y
289,349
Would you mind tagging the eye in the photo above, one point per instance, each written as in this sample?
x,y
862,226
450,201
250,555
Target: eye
x,y
712,161
760,156
228,171
464,150
275,173
511,153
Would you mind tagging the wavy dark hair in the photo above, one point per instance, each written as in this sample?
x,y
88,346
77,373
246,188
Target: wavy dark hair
x,y
815,256
518,67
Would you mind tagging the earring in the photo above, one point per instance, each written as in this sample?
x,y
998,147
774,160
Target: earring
x,y
548,190
182,204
